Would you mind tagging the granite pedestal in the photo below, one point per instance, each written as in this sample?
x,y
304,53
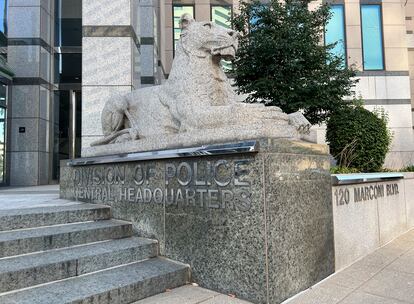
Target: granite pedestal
x,y
257,223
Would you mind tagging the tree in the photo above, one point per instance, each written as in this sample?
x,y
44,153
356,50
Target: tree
x,y
282,61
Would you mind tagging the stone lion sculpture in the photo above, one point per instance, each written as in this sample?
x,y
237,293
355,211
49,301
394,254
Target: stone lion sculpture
x,y
197,99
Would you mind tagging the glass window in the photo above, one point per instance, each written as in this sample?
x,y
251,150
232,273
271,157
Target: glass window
x,y
3,101
2,144
335,31
178,11
3,16
68,27
221,15
372,37
3,27
68,68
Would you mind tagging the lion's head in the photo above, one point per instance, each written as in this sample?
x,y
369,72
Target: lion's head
x,y
204,39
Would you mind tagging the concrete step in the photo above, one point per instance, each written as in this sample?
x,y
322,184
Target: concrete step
x,y
124,284
53,215
17,242
37,268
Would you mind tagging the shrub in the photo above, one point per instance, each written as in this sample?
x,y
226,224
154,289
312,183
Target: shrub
x,y
343,170
408,169
359,138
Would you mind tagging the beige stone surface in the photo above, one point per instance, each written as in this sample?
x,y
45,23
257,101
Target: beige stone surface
x,y
395,36
356,228
355,57
409,194
393,13
352,13
384,277
191,295
353,36
396,59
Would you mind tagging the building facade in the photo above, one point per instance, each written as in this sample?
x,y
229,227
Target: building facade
x,y
374,37
60,61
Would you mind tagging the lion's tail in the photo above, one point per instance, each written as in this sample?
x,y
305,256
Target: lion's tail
x,y
107,139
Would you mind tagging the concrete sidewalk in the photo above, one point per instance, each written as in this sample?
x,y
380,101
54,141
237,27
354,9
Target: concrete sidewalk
x,y
31,197
191,295
384,277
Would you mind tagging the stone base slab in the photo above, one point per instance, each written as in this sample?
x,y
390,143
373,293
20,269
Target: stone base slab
x,y
257,225
195,138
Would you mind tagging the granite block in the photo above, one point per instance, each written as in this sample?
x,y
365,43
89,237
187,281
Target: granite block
x,y
136,67
24,22
24,60
297,182
135,16
44,135
28,270
27,141
147,21
103,54
106,12
44,70
44,103
24,168
147,61
223,236
46,238
255,225
29,3
45,24
25,100
124,284
392,212
93,101
44,161
47,216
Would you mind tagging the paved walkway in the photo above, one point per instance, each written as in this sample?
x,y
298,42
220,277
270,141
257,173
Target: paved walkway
x,y
30,197
191,295
383,277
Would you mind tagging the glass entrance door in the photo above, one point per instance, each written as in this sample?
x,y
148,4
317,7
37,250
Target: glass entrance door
x,y
67,127
3,132
2,145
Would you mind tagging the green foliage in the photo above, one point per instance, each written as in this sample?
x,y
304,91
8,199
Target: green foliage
x,y
344,170
359,138
282,62
408,169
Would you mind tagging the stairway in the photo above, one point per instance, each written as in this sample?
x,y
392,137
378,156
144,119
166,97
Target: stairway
x,y
78,254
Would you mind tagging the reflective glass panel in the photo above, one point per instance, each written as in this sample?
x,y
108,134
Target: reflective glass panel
x,y
178,11
335,31
3,16
221,15
2,144
372,37
68,23
3,27
68,68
